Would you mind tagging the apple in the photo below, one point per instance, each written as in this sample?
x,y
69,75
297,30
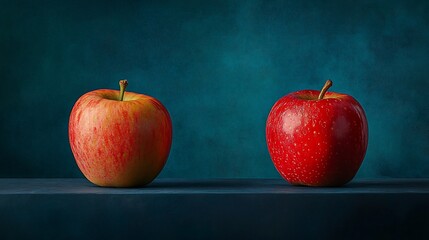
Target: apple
x,y
317,138
119,139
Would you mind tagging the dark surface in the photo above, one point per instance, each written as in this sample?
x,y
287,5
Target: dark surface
x,y
214,209
209,186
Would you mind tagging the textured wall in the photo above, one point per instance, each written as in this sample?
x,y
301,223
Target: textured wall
x,y
218,66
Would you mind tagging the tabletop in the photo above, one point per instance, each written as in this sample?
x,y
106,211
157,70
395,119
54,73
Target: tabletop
x,y
211,186
34,208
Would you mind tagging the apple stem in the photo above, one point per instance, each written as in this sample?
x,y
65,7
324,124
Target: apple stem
x,y
122,85
325,88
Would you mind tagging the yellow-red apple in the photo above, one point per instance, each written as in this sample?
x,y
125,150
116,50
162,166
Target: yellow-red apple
x,y
118,138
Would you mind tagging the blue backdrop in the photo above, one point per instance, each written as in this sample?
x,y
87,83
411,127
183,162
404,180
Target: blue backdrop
x,y
218,66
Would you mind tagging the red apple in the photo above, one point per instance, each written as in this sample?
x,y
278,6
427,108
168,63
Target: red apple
x,y
317,138
119,139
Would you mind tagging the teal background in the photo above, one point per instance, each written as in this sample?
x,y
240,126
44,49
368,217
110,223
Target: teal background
x,y
218,66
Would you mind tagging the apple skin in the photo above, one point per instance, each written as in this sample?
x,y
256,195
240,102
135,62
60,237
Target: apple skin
x,y
316,142
119,143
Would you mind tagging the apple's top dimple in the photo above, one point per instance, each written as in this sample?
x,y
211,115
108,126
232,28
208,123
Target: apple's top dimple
x,y
113,95
110,95
312,95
